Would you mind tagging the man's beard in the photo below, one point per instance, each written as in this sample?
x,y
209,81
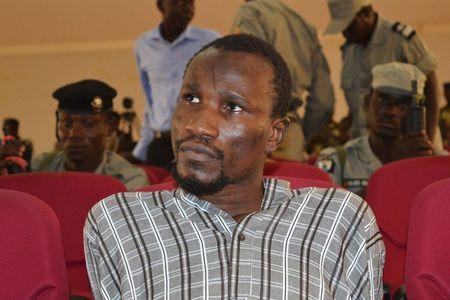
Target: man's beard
x,y
196,187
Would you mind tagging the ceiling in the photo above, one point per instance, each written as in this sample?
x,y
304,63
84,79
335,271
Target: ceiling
x,y
30,22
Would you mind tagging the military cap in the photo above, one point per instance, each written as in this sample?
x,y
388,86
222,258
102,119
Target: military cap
x,y
85,96
397,78
342,13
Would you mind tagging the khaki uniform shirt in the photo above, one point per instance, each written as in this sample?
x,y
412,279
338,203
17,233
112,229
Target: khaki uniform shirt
x,y
390,42
296,40
359,164
112,165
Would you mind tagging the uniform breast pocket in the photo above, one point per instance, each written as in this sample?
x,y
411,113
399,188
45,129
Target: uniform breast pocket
x,y
156,69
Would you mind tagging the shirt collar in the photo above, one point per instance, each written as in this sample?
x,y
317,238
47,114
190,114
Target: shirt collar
x,y
378,36
276,191
102,166
187,34
368,155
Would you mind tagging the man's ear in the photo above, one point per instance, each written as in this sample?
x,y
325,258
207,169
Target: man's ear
x,y
278,130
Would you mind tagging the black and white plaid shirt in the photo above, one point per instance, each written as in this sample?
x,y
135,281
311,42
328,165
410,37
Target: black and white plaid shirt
x,y
310,243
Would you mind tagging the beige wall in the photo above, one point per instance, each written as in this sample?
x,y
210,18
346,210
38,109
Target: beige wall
x,y
65,48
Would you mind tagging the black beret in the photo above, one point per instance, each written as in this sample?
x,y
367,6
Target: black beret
x,y
86,96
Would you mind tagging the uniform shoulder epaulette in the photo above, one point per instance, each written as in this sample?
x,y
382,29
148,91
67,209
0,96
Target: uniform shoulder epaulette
x,y
407,31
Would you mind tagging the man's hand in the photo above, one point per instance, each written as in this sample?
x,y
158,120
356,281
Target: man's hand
x,y
413,145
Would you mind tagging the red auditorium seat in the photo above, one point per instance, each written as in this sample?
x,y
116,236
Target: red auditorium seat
x,y
294,169
71,195
155,174
427,257
296,183
31,253
288,169
390,193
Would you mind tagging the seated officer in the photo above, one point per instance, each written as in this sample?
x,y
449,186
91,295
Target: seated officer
x,y
228,233
386,107
83,128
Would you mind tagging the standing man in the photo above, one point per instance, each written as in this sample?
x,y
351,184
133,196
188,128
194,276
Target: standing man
x,y
386,107
162,55
296,40
83,126
372,40
228,233
11,128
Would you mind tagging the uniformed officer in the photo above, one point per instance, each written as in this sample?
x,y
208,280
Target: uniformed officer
x,y
296,40
372,40
83,128
386,107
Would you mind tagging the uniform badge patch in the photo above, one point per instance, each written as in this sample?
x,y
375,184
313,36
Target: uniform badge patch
x,y
407,31
326,164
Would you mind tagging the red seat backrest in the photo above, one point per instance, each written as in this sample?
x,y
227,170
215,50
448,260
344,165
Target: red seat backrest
x,y
155,174
427,258
390,192
293,169
31,252
295,184
288,169
71,195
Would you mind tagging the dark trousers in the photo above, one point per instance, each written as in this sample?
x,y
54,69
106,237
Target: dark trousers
x,y
159,152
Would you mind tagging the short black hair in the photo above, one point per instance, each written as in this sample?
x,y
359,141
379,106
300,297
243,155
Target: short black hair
x,y
11,122
282,82
159,4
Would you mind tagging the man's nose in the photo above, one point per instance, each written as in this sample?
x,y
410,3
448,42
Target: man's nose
x,y
394,110
205,123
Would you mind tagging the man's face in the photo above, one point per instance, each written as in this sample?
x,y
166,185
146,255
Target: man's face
x,y
222,128
177,13
386,114
358,31
10,129
83,137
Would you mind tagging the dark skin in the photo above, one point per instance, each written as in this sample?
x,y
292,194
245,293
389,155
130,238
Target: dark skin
x,y
225,106
10,129
176,16
360,31
386,117
83,138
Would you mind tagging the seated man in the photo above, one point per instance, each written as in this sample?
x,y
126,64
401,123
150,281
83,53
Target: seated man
x,y
83,128
228,233
11,129
386,109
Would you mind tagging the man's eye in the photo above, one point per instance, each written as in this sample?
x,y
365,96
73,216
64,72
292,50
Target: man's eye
x,y
192,99
89,124
233,107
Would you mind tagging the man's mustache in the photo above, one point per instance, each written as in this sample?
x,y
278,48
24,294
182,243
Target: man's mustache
x,y
201,140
